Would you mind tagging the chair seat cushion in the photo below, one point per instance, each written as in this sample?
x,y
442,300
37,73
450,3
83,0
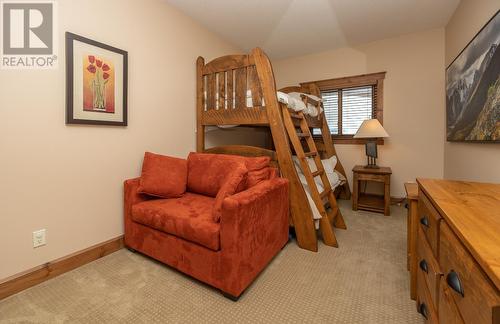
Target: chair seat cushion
x,y
188,217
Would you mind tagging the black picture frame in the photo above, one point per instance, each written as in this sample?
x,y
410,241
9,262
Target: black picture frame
x,y
70,39
449,133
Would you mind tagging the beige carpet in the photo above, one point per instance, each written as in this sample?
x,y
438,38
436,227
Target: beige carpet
x,y
364,281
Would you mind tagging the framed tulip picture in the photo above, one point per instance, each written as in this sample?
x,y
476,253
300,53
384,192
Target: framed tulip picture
x,y
96,82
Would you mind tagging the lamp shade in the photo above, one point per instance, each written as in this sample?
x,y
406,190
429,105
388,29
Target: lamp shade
x,y
371,128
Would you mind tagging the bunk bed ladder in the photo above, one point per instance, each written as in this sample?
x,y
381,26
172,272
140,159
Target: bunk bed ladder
x,y
333,216
329,148
300,212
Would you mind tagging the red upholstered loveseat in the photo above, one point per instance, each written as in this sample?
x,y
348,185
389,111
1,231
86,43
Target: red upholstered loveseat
x,y
224,240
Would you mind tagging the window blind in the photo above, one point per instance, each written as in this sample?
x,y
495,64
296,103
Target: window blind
x,y
331,107
357,106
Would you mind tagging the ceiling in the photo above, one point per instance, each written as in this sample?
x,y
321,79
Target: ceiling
x,y
286,28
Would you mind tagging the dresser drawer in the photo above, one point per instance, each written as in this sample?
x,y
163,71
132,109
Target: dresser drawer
x,y
428,266
429,220
448,311
470,289
425,306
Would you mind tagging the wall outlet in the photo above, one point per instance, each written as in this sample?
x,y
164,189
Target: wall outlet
x,y
39,238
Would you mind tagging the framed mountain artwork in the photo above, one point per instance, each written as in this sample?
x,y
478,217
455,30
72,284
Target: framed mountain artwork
x,y
96,82
473,89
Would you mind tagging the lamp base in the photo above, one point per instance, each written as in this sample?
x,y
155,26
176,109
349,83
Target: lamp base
x,y
371,162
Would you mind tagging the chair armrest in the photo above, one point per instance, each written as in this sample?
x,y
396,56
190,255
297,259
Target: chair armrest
x,y
254,218
131,197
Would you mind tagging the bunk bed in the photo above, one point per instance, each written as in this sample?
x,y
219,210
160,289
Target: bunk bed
x,y
240,90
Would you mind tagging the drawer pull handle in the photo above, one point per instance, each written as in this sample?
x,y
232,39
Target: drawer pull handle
x,y
422,309
423,266
454,282
424,221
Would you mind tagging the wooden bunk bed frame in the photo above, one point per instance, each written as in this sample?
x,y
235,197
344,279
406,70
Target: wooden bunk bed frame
x,y
222,86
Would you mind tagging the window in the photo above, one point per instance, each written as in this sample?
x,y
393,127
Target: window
x,y
331,106
356,106
348,102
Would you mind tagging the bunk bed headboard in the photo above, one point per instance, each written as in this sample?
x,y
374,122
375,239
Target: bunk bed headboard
x,y
234,90
230,83
294,89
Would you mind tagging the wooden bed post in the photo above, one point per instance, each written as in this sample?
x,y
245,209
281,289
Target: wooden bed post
x,y
200,128
300,209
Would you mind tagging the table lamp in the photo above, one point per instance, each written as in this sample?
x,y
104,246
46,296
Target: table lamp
x,y
371,129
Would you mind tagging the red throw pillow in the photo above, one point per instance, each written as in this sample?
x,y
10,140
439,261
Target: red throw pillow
x,y
163,176
255,177
257,163
231,185
273,173
208,171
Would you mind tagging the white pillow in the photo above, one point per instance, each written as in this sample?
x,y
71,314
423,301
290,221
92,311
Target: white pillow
x,y
295,95
282,97
329,164
312,111
296,103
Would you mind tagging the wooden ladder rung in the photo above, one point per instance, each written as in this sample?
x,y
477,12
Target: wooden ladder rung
x,y
317,173
303,135
312,153
296,116
325,193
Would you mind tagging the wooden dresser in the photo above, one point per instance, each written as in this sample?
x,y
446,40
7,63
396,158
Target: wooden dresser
x,y
458,252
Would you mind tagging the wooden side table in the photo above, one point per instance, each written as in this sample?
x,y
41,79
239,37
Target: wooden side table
x,y
372,202
412,221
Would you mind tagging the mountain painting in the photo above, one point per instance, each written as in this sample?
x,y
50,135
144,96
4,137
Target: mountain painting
x,y
473,89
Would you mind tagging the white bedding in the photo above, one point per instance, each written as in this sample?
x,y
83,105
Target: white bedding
x,y
296,103
333,176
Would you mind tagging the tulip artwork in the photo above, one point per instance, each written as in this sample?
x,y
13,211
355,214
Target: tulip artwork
x,y
98,84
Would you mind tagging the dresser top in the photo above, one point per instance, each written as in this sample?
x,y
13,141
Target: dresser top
x,y
472,210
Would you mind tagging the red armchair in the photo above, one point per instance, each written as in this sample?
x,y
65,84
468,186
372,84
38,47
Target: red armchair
x,y
183,233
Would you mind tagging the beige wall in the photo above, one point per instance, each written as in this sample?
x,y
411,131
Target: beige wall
x,y
68,179
467,161
413,99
